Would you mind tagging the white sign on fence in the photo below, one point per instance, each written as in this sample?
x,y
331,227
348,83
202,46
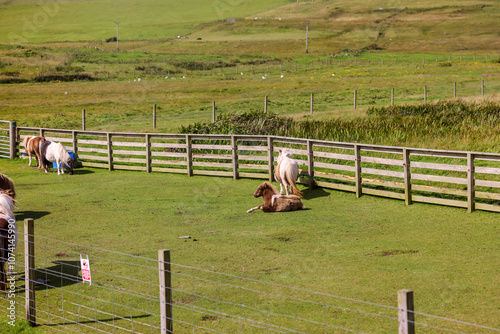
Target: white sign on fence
x,y
85,264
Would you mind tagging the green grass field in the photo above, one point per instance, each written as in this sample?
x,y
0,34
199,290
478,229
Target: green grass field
x,y
365,248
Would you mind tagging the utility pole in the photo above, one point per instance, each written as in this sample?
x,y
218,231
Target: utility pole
x,y
307,35
117,23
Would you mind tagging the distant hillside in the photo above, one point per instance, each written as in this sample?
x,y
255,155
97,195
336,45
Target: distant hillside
x,y
278,25
34,21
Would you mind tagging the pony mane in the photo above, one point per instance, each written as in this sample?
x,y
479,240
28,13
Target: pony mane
x,y
6,206
65,157
270,185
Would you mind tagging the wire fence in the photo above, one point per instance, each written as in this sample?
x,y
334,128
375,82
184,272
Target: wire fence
x,y
124,296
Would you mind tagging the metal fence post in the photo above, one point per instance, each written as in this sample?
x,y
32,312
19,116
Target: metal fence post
x,y
165,276
29,270
13,139
406,312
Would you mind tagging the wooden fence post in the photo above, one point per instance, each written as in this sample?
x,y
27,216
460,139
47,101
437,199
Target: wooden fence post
x,y
406,314
357,166
148,153
154,116
471,193
407,175
310,164
13,139
29,270
270,157
265,104
392,96
482,87
74,137
312,102
110,151
234,149
455,89
165,276
189,156
213,111
355,98
425,93
83,119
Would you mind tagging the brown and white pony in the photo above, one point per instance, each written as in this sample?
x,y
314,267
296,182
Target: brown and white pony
x,y
55,152
274,202
287,173
7,186
32,146
8,235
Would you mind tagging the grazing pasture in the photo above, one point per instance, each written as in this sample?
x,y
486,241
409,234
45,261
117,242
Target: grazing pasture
x,y
365,248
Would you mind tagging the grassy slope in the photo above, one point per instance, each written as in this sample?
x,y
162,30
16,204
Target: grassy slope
x,y
401,26
447,256
94,20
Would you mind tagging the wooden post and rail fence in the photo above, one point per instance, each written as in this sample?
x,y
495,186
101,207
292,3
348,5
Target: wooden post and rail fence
x,y
463,179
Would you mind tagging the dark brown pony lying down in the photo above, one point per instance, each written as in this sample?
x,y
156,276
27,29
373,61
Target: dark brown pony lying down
x,y
274,202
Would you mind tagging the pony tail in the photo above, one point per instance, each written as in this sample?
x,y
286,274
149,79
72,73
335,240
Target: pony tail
x,y
296,190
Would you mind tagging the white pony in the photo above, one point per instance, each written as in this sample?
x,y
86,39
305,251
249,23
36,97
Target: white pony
x,y
55,152
8,234
287,173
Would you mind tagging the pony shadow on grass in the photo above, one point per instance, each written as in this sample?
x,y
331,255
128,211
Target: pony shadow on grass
x,y
61,274
315,192
22,215
78,171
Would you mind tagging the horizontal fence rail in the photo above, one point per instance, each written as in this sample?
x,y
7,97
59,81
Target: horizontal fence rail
x,y
462,179
139,294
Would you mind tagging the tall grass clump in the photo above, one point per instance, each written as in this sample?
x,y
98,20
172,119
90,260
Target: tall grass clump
x,y
445,125
244,123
